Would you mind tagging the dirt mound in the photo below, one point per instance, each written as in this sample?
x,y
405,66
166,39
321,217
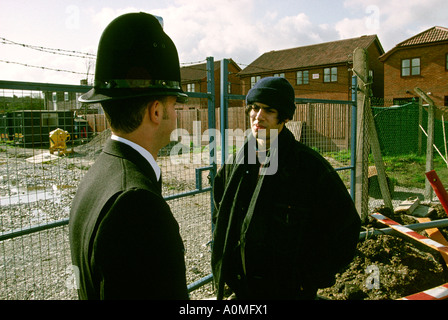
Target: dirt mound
x,y
388,267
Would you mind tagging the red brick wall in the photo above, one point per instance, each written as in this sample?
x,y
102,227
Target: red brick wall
x,y
340,90
201,86
316,88
377,67
433,75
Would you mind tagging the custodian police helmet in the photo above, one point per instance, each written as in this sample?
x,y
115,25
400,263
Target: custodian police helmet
x,y
135,58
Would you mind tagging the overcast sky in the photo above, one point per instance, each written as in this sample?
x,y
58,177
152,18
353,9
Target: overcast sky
x,y
237,29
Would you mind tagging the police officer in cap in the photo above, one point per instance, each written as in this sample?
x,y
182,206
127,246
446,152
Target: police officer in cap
x,y
125,242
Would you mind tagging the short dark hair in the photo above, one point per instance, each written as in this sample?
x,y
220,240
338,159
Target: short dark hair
x,y
126,115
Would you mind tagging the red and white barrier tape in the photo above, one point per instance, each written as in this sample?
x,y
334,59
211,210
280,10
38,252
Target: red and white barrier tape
x,y
410,233
437,293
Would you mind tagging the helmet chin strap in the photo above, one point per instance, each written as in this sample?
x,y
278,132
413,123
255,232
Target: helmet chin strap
x,y
137,84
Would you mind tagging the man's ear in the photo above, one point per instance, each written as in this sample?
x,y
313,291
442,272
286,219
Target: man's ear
x,y
155,111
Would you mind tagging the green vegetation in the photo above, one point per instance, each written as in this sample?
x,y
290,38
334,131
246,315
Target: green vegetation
x,y
409,170
406,171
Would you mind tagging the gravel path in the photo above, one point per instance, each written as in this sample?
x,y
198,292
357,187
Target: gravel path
x,y
37,188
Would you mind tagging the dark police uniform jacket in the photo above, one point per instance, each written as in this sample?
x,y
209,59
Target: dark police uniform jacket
x,y
282,235
124,239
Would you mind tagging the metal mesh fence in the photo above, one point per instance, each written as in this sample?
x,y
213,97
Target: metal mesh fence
x,y
38,181
402,127
327,128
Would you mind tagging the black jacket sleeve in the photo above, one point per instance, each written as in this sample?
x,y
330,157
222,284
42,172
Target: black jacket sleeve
x,y
336,232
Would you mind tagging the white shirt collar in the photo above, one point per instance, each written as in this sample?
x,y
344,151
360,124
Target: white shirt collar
x,y
145,153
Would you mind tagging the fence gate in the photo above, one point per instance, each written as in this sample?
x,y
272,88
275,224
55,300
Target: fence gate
x,y
37,187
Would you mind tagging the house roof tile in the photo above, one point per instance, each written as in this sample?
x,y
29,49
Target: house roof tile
x,y
427,37
197,72
435,34
327,53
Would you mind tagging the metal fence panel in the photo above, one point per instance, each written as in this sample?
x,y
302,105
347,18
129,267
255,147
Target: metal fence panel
x,y
37,187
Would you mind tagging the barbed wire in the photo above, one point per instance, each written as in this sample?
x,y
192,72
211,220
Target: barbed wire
x,y
44,68
194,65
70,53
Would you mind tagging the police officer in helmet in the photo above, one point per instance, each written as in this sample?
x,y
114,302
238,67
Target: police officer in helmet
x,y
124,240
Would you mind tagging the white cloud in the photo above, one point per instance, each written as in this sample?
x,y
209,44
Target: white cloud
x,y
392,20
237,29
232,29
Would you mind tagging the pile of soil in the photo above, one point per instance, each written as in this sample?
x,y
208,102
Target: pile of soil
x,y
388,267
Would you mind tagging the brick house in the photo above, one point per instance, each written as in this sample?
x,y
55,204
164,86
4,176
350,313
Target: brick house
x,y
194,79
420,61
320,71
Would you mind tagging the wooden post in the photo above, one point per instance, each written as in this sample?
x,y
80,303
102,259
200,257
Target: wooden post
x,y
420,122
378,158
429,141
367,132
362,144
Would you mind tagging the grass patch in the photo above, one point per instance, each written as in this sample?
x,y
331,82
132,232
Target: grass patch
x,y
409,170
406,171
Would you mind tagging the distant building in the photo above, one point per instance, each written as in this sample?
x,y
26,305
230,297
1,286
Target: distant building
x,y
194,79
320,71
59,100
420,61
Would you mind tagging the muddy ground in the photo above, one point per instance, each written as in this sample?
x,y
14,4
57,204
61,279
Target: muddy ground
x,y
388,267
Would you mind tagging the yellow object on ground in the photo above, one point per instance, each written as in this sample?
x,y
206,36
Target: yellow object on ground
x,y
58,139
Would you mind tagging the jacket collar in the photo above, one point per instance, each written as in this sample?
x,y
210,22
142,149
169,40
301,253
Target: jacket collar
x,y
145,153
122,150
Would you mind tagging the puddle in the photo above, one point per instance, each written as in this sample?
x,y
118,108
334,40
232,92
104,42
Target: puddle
x,y
43,157
18,196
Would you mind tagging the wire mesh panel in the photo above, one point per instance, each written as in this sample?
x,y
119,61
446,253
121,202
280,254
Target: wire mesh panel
x,y
37,184
327,128
39,178
40,172
401,126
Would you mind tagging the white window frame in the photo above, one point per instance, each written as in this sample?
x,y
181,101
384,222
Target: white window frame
x,y
303,77
331,74
254,80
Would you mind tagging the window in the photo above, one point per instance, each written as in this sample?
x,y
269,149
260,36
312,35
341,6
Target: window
x,y
410,67
331,74
49,119
254,80
190,87
446,62
303,77
282,75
